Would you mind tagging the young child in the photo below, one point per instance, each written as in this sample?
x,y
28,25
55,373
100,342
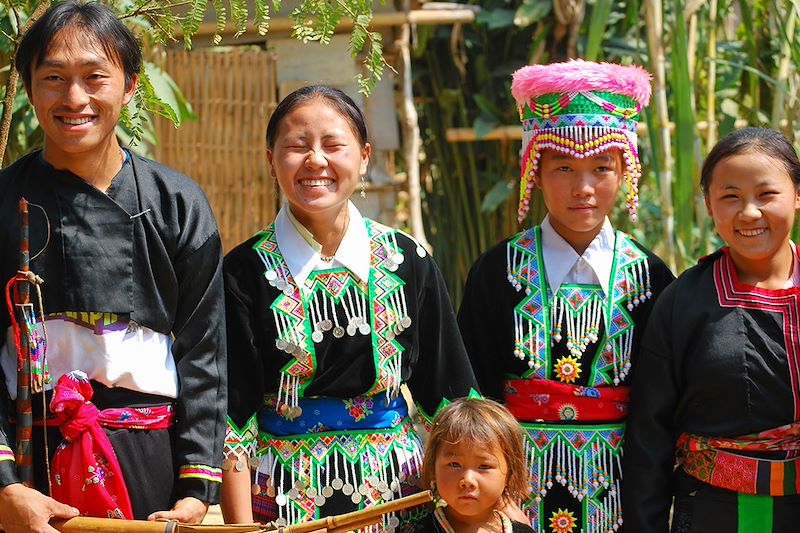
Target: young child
x,y
716,388
552,317
475,465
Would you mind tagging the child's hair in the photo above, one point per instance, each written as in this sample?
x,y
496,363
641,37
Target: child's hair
x,y
483,421
766,141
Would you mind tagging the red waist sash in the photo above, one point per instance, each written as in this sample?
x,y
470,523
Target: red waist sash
x,y
86,473
709,459
551,401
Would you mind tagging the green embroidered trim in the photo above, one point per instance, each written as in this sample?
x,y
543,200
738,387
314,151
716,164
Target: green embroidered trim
x,y
584,459
426,420
240,443
368,466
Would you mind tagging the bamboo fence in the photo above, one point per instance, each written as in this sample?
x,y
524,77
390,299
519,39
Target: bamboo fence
x,y
233,92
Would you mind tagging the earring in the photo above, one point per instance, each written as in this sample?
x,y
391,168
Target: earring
x,y
363,187
434,492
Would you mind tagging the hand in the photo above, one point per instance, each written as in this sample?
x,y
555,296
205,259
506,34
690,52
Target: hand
x,y
186,511
23,509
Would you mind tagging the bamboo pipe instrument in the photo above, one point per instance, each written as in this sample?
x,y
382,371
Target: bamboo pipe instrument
x,y
330,524
85,524
24,418
357,519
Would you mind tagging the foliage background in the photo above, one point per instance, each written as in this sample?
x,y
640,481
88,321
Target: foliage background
x,y
717,65
160,22
723,63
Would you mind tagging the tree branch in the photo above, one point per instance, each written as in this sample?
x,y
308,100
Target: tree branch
x,y
13,77
145,10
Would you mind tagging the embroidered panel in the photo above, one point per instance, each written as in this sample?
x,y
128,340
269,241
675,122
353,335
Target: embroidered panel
x,y
304,315
576,312
586,460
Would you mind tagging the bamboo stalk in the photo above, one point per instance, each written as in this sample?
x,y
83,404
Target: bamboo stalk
x,y
778,109
655,46
83,524
411,138
711,102
86,524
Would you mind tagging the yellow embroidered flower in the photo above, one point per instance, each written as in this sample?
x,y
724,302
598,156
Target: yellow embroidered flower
x,y
568,369
562,521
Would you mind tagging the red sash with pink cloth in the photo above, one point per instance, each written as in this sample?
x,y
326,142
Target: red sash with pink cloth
x,y
85,471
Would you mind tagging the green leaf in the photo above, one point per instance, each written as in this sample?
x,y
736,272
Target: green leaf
x,y
531,12
497,195
487,106
484,124
597,27
496,18
730,107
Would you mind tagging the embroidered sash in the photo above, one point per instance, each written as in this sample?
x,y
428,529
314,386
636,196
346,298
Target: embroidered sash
x,y
85,471
551,401
715,461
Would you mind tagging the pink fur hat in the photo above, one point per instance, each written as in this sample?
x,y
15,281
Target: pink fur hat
x,y
578,75
580,108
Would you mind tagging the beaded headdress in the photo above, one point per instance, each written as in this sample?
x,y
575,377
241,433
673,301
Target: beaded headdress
x,y
580,108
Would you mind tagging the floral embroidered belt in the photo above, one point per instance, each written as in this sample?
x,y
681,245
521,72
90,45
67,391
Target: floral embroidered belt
x,y
333,414
551,401
716,461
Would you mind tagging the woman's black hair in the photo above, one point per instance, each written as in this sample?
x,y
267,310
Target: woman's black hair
x,y
118,42
336,98
769,142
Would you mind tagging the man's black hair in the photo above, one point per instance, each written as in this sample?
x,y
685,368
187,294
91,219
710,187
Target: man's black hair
x,y
117,41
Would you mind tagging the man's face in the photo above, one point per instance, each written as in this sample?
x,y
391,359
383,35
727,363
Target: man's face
x,y
78,93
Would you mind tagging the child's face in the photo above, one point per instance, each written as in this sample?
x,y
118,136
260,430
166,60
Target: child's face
x,y
579,193
471,478
753,201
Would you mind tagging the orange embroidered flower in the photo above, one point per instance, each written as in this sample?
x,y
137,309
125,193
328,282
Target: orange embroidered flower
x,y
562,521
568,369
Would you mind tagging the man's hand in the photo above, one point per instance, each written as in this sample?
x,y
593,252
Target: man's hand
x,y
186,510
24,510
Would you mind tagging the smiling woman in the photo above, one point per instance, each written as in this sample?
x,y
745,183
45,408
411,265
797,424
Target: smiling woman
x,y
716,390
318,157
328,314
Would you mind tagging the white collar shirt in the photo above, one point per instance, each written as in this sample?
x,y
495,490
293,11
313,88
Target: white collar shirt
x,y
302,253
563,265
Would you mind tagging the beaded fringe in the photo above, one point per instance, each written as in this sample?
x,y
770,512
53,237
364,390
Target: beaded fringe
x,y
584,475
579,323
320,479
